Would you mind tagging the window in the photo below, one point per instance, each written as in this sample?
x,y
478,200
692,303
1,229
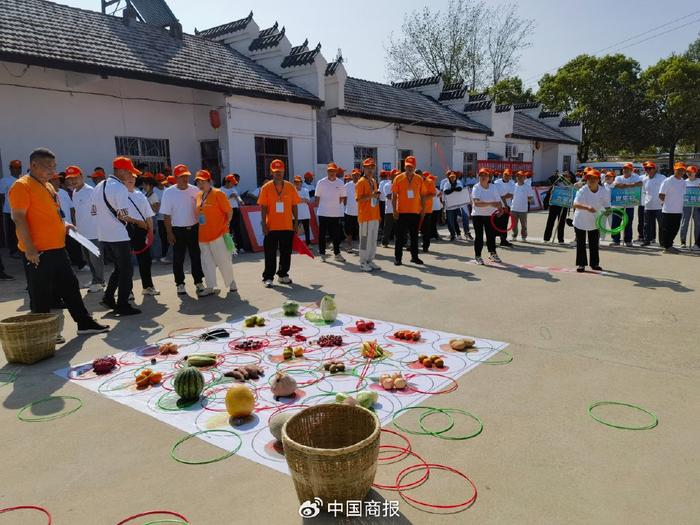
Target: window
x,y
361,153
469,165
403,153
210,159
266,150
566,165
150,154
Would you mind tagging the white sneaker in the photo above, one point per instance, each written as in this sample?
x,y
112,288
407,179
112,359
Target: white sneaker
x,y
340,258
375,266
181,289
494,257
682,246
365,267
324,257
479,261
199,287
165,260
95,288
268,283
285,280
204,292
150,291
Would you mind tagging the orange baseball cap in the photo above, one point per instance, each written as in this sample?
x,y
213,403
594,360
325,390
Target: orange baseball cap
x,y
347,178
368,163
610,174
125,163
628,166
649,165
383,174
230,178
171,180
297,178
679,166
181,171
332,166
147,175
356,171
410,161
692,169
16,164
160,177
592,173
202,175
484,171
276,166
507,172
97,174
308,175
394,172
73,171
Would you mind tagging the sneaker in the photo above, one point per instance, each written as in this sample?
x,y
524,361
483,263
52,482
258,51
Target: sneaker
x,y
672,250
694,248
479,261
108,302
96,288
614,243
628,244
452,238
365,267
268,283
233,287
416,260
204,292
324,257
150,291
385,245
580,269
494,257
397,263
683,246
181,289
645,243
126,310
507,244
561,242
131,296
374,266
199,287
60,339
92,327
84,268
570,222
285,280
524,238
165,260
597,268
339,258
6,277
469,237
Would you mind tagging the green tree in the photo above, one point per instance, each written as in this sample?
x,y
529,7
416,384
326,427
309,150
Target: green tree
x,y
671,92
510,91
693,52
605,94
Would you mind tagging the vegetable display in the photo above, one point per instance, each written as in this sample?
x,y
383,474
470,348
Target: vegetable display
x,y
148,377
394,381
249,344
290,330
290,308
188,383
364,398
462,344
167,349
201,360
430,361
364,326
372,350
104,365
254,320
245,372
283,385
240,401
330,340
329,311
277,421
407,335
334,366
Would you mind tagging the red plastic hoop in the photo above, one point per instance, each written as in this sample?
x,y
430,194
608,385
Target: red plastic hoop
x,y
447,390
28,507
405,439
407,470
398,487
493,221
151,513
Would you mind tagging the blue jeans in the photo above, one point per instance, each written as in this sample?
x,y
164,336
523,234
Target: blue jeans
x,y
465,220
651,219
689,212
452,221
616,221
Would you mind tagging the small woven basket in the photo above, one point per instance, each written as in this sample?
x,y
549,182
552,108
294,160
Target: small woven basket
x,y
332,451
29,338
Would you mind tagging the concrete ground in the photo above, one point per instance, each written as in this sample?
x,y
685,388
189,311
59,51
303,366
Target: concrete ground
x,y
628,336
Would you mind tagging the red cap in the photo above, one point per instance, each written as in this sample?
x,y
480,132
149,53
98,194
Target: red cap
x,y
649,165
628,166
484,171
97,174
383,174
410,161
692,169
679,166
276,166
16,164
125,163
202,175
297,178
507,172
147,175
332,166
356,171
368,163
394,172
231,179
160,177
171,180
73,171
308,176
347,178
592,174
181,171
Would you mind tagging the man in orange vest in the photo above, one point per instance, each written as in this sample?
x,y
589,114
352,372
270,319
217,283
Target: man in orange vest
x,y
407,200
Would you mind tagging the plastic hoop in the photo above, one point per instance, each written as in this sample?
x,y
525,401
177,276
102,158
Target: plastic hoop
x,y
51,417
408,470
152,513
206,461
509,227
28,507
488,362
599,222
418,432
397,486
451,411
651,425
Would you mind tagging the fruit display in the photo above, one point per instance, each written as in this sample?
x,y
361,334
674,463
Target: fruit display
x,y
148,377
167,349
364,398
104,365
245,372
249,344
290,330
430,361
290,308
283,385
334,366
277,421
330,340
254,320
407,335
188,383
240,401
329,311
201,360
372,350
290,352
394,381
364,326
462,344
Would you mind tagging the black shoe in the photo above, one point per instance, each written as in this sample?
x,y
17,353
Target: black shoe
x,y
109,302
91,327
397,263
580,269
507,244
596,268
425,250
452,237
126,310
416,260
5,277
645,243
569,222
385,245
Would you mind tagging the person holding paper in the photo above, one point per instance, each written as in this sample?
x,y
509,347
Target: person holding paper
x,y
691,212
651,182
407,202
486,200
590,199
628,179
230,188
367,197
672,193
278,201
388,223
41,234
523,195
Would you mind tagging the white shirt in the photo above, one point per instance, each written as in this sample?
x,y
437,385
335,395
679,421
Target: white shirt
x,y
632,179
180,205
5,183
309,187
692,183
651,187
138,202
521,195
505,187
382,183
329,195
152,199
158,193
231,193
583,219
303,207
674,192
386,191
490,194
351,203
83,204
109,228
65,203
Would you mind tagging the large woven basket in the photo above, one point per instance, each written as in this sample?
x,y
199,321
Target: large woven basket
x,y
29,338
332,451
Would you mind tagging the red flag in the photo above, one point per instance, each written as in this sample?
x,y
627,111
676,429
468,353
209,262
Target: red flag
x,y
300,247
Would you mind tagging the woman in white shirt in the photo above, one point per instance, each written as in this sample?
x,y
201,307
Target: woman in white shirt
x,y
303,212
486,201
590,199
691,182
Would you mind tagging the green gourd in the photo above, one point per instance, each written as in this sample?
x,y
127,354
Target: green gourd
x,y
329,311
188,383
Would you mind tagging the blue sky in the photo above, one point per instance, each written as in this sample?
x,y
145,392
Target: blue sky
x,y
564,28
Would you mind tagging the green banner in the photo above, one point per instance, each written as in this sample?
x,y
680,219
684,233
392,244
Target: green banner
x,y
692,198
626,197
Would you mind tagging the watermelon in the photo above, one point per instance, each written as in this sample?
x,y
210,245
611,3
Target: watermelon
x,y
188,383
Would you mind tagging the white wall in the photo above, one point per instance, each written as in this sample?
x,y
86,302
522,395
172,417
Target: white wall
x,y
550,162
469,143
349,132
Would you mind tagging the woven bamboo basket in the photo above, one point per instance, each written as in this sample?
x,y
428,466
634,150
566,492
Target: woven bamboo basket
x,y
29,338
332,451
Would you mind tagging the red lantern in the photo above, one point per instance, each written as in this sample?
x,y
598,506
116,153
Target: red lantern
x,y
214,119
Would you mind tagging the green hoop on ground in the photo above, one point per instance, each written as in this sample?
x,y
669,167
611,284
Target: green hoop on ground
x,y
654,423
448,411
12,377
59,415
487,361
205,461
428,411
180,522
600,223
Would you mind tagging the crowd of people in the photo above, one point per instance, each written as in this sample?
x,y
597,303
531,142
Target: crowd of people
x,y
133,217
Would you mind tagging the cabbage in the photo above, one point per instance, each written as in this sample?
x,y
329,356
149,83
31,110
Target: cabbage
x,y
329,312
367,398
290,308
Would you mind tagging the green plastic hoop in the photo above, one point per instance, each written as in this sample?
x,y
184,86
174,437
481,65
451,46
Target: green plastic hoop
x,y
205,461
447,411
600,223
428,411
50,417
487,361
651,425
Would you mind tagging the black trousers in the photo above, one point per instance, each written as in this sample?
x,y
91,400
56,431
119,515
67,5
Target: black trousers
x,y
555,212
670,224
54,278
426,231
144,260
329,226
10,233
75,252
123,274
616,221
641,217
187,240
382,212
651,218
352,227
593,245
234,228
482,224
306,224
278,240
501,222
437,219
163,234
406,224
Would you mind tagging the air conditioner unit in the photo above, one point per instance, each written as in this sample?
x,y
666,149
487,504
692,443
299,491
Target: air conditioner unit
x,y
513,150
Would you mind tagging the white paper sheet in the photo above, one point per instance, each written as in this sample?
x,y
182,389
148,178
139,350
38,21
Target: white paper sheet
x,y
89,245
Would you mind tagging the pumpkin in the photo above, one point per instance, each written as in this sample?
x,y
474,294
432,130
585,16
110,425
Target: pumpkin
x,y
239,401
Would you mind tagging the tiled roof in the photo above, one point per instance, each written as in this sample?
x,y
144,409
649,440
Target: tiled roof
x,y
45,34
566,123
420,82
225,29
301,58
267,39
332,66
477,106
155,12
376,101
526,127
549,114
453,86
502,108
453,94
526,105
478,97
300,49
